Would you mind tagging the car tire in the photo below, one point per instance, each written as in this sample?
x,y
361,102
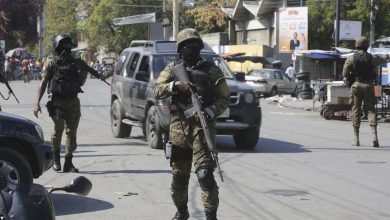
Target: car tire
x,y
274,92
153,129
328,113
246,139
119,129
15,171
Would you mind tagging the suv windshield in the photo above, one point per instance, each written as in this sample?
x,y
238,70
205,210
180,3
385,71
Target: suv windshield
x,y
160,61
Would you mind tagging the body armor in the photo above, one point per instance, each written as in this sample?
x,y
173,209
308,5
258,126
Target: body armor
x,y
362,66
65,81
201,79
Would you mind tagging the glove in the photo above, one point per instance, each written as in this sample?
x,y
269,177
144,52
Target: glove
x,y
209,112
183,86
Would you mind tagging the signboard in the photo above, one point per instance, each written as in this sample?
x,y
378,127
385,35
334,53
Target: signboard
x,y
350,30
143,18
293,29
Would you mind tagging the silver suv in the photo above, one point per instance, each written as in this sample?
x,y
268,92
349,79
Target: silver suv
x,y
133,102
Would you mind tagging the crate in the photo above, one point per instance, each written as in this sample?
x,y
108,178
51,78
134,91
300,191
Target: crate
x,y
337,94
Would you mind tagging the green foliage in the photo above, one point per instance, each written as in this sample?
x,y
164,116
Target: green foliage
x,y
60,18
208,16
322,14
18,19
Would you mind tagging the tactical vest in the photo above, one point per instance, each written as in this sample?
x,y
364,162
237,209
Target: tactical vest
x,y
201,78
363,68
65,81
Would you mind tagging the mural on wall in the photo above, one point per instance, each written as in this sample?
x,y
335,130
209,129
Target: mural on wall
x,y
293,29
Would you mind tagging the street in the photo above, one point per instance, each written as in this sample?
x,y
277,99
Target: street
x,y
303,167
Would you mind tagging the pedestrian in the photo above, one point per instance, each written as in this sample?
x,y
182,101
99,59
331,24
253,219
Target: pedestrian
x,y
64,80
12,67
97,67
360,68
290,71
25,70
186,134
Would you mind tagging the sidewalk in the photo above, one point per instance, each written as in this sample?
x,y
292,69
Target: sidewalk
x,y
292,102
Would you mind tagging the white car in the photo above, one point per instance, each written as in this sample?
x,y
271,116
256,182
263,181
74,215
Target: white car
x,y
271,82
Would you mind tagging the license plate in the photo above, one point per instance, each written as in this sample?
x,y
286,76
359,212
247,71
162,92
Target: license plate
x,y
225,114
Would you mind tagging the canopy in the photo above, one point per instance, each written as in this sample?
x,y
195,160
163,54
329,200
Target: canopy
x,y
18,52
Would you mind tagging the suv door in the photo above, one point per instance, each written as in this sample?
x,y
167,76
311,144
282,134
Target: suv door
x,y
141,81
128,82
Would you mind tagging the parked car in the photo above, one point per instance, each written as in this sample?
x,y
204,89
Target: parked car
x,y
24,154
271,82
133,102
108,67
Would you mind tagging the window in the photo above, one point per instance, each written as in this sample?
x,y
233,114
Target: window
x,y
121,61
278,75
130,69
144,65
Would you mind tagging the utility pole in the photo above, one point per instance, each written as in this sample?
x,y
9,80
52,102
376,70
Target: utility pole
x,y
175,19
165,29
372,22
337,38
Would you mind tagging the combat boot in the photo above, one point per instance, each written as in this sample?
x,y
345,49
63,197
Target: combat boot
x,y
356,141
68,165
375,142
57,161
182,214
211,215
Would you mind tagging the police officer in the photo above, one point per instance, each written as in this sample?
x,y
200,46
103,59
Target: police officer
x,y
361,69
64,80
186,133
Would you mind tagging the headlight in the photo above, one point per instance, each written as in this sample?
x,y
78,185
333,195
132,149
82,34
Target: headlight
x,y
249,97
39,132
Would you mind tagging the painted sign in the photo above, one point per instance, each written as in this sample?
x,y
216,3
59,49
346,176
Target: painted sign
x,y
293,29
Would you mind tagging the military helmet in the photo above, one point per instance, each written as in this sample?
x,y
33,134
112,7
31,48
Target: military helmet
x,y
61,39
362,42
186,35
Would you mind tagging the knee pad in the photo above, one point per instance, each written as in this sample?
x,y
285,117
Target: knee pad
x,y
180,182
206,179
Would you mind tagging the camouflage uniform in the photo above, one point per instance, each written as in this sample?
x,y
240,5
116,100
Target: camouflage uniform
x,y
67,117
188,139
362,90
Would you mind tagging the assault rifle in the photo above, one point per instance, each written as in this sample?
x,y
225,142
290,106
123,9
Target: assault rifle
x,y
5,81
181,73
82,65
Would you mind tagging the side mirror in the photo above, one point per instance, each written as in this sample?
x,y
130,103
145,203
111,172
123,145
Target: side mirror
x,y
240,76
142,76
81,186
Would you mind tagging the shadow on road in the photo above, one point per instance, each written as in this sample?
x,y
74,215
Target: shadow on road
x,y
264,145
67,204
130,143
126,171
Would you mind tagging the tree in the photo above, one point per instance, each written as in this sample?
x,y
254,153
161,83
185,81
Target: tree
x,y
61,18
208,16
17,30
322,14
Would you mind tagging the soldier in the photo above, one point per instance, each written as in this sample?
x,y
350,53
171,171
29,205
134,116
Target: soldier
x,y
360,68
64,80
186,135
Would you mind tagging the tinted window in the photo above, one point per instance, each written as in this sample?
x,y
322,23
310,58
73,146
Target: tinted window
x,y
144,66
278,75
130,69
161,61
121,61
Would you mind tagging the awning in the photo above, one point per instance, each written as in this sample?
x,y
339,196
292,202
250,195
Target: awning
x,y
238,57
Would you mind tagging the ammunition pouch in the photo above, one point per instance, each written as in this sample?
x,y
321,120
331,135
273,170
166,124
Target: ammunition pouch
x,y
180,153
50,108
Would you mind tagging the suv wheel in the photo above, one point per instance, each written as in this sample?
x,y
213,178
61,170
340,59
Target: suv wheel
x,y
14,170
246,139
153,129
274,91
119,130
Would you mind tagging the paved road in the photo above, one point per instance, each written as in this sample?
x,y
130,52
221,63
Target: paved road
x,y
302,168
